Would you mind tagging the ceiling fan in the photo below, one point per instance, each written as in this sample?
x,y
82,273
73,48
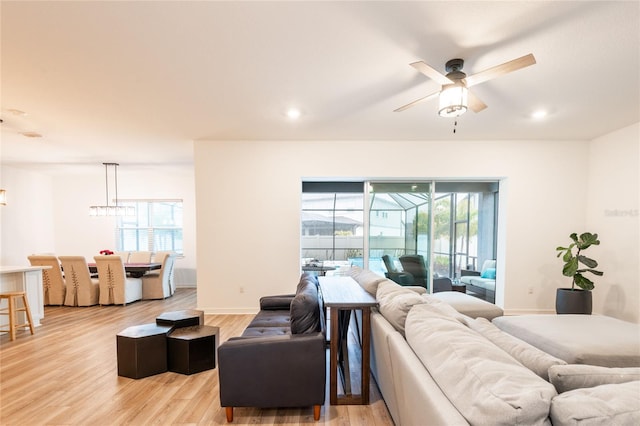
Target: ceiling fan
x,y
455,96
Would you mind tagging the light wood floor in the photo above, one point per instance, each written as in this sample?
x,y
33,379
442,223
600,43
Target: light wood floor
x,y
66,374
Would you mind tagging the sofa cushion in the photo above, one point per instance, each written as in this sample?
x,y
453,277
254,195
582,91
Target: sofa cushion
x,y
615,404
367,279
266,331
529,356
487,385
445,308
576,376
305,310
395,301
269,318
469,305
305,279
578,339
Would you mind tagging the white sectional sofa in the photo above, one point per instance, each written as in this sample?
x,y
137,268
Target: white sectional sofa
x,y
437,366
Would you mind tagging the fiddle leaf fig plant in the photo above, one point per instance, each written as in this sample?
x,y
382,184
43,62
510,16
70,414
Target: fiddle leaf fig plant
x,y
573,259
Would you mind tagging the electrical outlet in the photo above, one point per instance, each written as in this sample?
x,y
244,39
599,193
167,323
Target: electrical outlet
x,y
241,289
530,290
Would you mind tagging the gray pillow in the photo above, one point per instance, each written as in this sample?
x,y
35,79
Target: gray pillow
x,y
445,308
529,356
488,386
367,279
575,376
606,405
470,306
395,302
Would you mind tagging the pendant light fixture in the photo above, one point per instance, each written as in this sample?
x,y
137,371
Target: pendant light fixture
x,y
116,209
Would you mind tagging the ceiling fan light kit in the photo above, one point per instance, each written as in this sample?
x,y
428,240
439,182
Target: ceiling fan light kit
x,y
455,97
453,100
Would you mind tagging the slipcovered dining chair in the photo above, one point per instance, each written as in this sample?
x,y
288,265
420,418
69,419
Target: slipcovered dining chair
x,y
116,288
160,284
54,286
124,255
139,257
82,290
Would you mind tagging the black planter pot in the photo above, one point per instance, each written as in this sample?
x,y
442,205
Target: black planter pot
x,y
573,301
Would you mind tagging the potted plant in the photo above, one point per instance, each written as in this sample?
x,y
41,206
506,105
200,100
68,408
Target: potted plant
x,y
577,300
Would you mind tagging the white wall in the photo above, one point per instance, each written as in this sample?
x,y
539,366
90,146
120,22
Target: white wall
x,y
249,204
27,225
613,212
55,219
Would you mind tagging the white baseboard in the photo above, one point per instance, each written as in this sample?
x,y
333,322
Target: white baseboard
x,y
229,311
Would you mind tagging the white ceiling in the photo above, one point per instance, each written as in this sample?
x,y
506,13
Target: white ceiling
x,y
137,82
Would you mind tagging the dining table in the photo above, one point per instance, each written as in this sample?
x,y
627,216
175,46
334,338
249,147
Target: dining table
x,y
136,270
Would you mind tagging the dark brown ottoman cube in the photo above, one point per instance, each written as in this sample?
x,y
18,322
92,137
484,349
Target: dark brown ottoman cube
x,y
192,349
186,318
142,350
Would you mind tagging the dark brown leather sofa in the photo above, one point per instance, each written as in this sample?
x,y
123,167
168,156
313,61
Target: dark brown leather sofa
x,y
280,359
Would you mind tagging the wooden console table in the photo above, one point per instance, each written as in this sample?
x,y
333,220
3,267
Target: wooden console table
x,y
342,295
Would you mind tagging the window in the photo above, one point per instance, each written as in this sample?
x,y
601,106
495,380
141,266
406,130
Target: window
x,y
157,226
332,221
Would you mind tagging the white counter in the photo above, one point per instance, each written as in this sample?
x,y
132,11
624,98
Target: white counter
x,y
28,279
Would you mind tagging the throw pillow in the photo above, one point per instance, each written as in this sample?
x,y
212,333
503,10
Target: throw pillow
x,y
305,279
368,280
487,385
575,376
445,309
395,302
616,404
489,273
529,356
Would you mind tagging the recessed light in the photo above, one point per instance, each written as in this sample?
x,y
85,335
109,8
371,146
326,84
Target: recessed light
x,y
16,112
31,134
539,114
293,113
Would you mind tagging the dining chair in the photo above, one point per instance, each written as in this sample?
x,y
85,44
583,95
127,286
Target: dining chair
x,y
140,257
124,255
160,284
53,284
116,288
82,290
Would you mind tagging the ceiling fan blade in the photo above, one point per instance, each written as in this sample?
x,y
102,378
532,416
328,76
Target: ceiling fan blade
x,y
499,70
416,102
474,103
432,73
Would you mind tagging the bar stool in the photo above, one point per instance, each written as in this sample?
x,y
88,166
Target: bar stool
x,y
11,311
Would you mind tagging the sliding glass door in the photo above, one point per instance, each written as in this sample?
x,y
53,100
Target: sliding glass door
x,y
438,227
332,223
399,224
465,224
